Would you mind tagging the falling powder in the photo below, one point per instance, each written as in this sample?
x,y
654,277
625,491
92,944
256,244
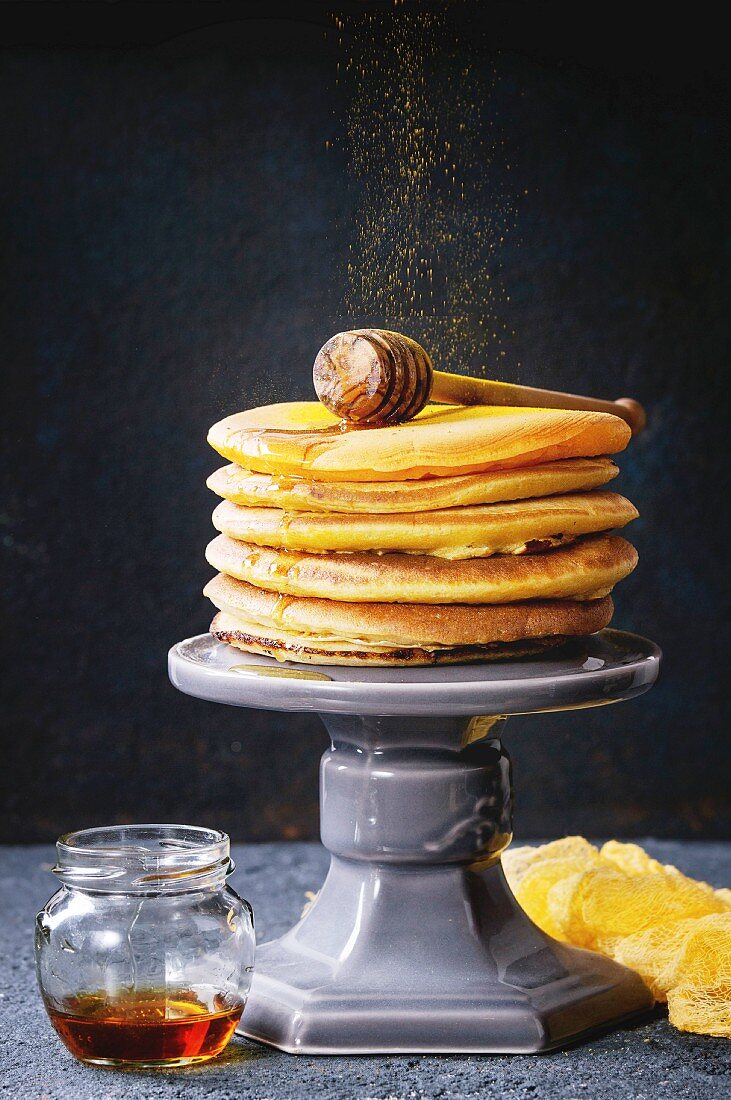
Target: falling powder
x,y
433,208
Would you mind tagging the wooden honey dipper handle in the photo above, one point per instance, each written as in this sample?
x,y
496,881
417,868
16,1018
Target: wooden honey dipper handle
x,y
374,378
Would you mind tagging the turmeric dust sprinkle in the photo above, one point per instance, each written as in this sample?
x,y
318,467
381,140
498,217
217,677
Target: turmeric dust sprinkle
x,y
428,163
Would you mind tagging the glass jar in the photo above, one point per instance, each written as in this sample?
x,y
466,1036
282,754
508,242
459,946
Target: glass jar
x,y
144,956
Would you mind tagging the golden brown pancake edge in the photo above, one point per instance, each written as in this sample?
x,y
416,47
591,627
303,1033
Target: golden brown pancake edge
x,y
476,531
415,656
586,567
291,493
408,624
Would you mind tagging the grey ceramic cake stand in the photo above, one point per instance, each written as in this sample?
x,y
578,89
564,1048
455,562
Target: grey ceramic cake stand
x,y
415,941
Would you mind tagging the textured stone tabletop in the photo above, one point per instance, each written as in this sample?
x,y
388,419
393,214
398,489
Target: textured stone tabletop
x,y
635,1063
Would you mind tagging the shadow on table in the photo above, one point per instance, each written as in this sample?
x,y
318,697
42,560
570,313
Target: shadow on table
x,y
241,1050
238,1052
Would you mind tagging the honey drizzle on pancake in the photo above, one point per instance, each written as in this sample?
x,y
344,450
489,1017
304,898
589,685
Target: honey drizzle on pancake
x,y
281,605
265,441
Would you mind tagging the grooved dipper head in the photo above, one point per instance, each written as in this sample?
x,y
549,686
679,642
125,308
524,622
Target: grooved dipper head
x,y
372,377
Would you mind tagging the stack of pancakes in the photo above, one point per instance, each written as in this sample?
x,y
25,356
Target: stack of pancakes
x,y
463,535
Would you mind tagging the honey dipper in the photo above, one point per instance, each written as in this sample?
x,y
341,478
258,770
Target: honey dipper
x,y
373,377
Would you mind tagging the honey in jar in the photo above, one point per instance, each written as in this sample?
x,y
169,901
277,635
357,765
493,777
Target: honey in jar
x,y
144,1028
145,954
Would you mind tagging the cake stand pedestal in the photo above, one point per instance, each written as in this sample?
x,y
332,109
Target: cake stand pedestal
x,y
415,941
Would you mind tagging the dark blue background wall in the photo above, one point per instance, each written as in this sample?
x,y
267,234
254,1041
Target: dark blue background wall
x,y
175,237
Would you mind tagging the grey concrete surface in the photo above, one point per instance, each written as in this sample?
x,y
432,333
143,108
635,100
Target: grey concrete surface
x,y
639,1063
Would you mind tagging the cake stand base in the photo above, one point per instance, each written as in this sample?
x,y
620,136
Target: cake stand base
x,y
435,963
415,942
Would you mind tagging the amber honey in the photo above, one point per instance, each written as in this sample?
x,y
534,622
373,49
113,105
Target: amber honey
x,y
152,1029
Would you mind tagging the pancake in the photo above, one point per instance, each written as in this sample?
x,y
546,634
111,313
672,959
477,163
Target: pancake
x,y
304,439
588,568
285,646
475,531
420,495
405,625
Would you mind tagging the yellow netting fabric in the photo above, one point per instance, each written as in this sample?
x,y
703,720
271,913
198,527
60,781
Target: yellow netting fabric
x,y
672,930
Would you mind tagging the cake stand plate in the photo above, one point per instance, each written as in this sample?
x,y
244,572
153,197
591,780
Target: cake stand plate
x,y
415,941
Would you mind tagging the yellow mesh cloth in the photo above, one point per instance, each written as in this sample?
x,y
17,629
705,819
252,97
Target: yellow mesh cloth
x,y
617,900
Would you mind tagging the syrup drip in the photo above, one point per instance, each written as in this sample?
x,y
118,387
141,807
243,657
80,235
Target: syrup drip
x,y
286,673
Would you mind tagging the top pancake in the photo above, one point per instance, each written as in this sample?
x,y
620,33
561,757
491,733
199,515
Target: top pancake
x,y
298,494
305,440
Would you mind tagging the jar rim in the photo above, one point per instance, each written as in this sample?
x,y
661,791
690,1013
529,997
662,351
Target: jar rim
x,y
146,858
